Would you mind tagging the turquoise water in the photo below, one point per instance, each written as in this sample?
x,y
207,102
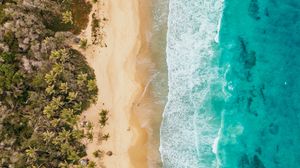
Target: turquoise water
x,y
234,95
260,41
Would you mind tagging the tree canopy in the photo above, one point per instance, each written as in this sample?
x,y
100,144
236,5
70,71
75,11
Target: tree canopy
x,y
44,87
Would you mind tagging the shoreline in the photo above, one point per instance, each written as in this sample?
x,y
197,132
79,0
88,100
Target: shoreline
x,y
138,151
121,82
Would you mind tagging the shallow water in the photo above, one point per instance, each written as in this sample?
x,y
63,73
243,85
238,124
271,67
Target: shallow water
x,y
153,100
158,88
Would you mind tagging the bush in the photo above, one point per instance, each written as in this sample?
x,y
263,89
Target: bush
x,y
83,43
98,153
103,117
3,17
80,10
11,41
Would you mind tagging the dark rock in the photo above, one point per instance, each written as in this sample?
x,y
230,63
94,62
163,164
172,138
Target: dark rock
x,y
109,153
257,163
84,162
244,161
273,128
253,9
76,40
83,123
258,150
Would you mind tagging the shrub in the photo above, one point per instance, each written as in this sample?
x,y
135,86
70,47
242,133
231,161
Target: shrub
x,y
98,153
83,43
103,117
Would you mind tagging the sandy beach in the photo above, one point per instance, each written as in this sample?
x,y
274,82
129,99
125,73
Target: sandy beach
x,y
121,83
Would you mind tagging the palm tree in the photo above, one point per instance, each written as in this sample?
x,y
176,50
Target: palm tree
x,y
31,155
31,152
78,134
92,86
64,55
63,165
103,121
67,17
98,153
73,156
105,137
57,102
77,107
57,68
55,55
91,164
64,136
50,90
55,122
69,151
68,116
50,77
72,96
89,126
81,79
103,117
103,112
83,43
64,87
49,110
48,135
90,136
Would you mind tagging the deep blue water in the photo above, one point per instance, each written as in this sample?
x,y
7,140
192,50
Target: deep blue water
x,y
234,95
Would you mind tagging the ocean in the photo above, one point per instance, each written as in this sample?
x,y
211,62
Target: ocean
x,y
190,125
233,81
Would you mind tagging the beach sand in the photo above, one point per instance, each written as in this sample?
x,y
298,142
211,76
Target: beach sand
x,y
121,81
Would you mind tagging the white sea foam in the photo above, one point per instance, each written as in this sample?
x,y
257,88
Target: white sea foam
x,y
215,144
218,31
189,127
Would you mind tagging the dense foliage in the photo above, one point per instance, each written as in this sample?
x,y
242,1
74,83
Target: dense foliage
x,y
44,86
77,10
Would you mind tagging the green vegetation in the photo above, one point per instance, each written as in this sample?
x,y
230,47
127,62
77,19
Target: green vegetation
x,y
44,87
80,10
105,137
83,43
98,153
73,16
90,136
67,17
91,164
95,23
103,117
2,14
